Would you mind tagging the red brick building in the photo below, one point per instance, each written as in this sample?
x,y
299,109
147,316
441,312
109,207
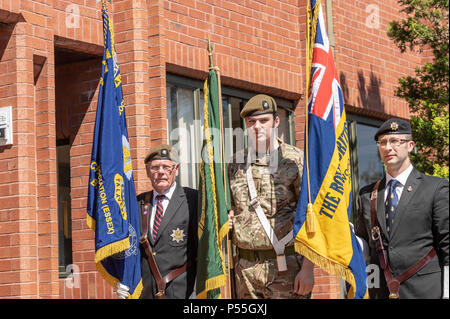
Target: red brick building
x,y
50,64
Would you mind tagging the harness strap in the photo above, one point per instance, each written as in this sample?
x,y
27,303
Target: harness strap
x,y
278,245
161,282
392,282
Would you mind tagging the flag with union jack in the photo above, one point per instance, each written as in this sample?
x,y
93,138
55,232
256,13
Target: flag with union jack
x,y
321,227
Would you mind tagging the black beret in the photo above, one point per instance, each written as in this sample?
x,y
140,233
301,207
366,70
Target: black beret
x,y
162,152
259,104
394,126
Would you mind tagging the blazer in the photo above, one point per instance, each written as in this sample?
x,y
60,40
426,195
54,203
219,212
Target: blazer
x,y
421,222
175,244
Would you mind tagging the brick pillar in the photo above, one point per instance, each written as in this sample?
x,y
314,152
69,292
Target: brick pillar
x,y
131,38
36,183
47,213
18,218
41,40
157,72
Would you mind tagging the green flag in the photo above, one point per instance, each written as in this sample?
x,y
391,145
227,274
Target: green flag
x,y
214,197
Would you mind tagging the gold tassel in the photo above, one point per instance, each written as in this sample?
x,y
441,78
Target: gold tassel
x,y
310,220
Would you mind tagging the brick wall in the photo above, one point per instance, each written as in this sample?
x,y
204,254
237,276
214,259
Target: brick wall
x,y
368,63
28,207
258,46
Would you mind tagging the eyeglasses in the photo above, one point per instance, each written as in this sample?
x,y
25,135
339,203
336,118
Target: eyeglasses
x,y
394,142
166,168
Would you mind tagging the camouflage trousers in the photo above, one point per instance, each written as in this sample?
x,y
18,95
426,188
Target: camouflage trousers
x,y
261,279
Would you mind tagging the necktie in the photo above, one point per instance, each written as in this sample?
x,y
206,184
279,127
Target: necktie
x,y
158,215
391,204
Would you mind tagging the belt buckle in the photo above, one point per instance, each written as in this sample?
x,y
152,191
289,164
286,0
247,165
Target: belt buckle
x,y
281,263
254,202
393,287
375,233
143,239
393,295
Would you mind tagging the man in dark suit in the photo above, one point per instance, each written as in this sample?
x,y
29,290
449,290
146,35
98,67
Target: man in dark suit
x,y
410,210
168,216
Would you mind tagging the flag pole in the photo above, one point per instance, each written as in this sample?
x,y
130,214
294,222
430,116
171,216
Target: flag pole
x,y
310,224
230,290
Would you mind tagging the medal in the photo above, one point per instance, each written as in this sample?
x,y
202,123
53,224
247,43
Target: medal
x,y
177,235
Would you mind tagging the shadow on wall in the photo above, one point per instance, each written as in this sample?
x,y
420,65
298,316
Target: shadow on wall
x,y
6,31
369,96
76,81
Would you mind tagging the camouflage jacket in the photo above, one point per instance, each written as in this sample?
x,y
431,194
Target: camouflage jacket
x,y
277,181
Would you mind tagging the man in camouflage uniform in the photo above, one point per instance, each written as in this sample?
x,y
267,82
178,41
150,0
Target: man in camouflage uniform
x,y
276,169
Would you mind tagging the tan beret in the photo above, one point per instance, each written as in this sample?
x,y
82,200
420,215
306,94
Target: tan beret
x,y
162,152
259,104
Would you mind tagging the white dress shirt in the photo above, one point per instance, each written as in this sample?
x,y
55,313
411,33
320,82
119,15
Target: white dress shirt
x,y
165,202
402,178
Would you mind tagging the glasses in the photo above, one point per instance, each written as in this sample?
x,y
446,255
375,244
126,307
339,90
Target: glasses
x,y
166,168
394,142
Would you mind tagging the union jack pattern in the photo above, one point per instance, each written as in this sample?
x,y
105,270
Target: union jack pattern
x,y
325,95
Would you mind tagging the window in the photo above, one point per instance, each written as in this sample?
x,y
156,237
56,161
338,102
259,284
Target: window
x,y
185,123
365,160
64,207
369,163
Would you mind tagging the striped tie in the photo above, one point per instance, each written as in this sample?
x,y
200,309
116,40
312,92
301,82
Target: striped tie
x,y
158,215
391,204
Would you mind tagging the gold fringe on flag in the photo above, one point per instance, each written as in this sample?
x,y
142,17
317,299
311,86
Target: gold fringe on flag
x,y
328,265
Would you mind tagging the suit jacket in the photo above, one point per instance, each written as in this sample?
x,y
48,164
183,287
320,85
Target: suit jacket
x,y
421,222
172,251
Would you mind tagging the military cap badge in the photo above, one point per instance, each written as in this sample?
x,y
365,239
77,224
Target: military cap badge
x,y
164,152
394,126
265,105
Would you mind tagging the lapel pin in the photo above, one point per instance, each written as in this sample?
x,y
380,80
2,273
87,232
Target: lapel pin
x,y
409,188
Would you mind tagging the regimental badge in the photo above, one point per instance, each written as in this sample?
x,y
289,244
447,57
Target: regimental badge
x,y
409,188
178,235
265,105
394,126
134,245
164,152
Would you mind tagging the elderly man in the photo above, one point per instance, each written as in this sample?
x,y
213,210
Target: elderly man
x,y
404,218
168,216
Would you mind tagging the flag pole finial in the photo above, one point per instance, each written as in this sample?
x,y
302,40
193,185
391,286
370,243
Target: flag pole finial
x,y
210,49
104,3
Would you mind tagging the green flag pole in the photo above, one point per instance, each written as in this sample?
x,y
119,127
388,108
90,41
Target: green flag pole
x,y
214,196
230,278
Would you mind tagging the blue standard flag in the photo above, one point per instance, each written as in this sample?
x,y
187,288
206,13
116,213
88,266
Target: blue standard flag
x,y
321,226
112,211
